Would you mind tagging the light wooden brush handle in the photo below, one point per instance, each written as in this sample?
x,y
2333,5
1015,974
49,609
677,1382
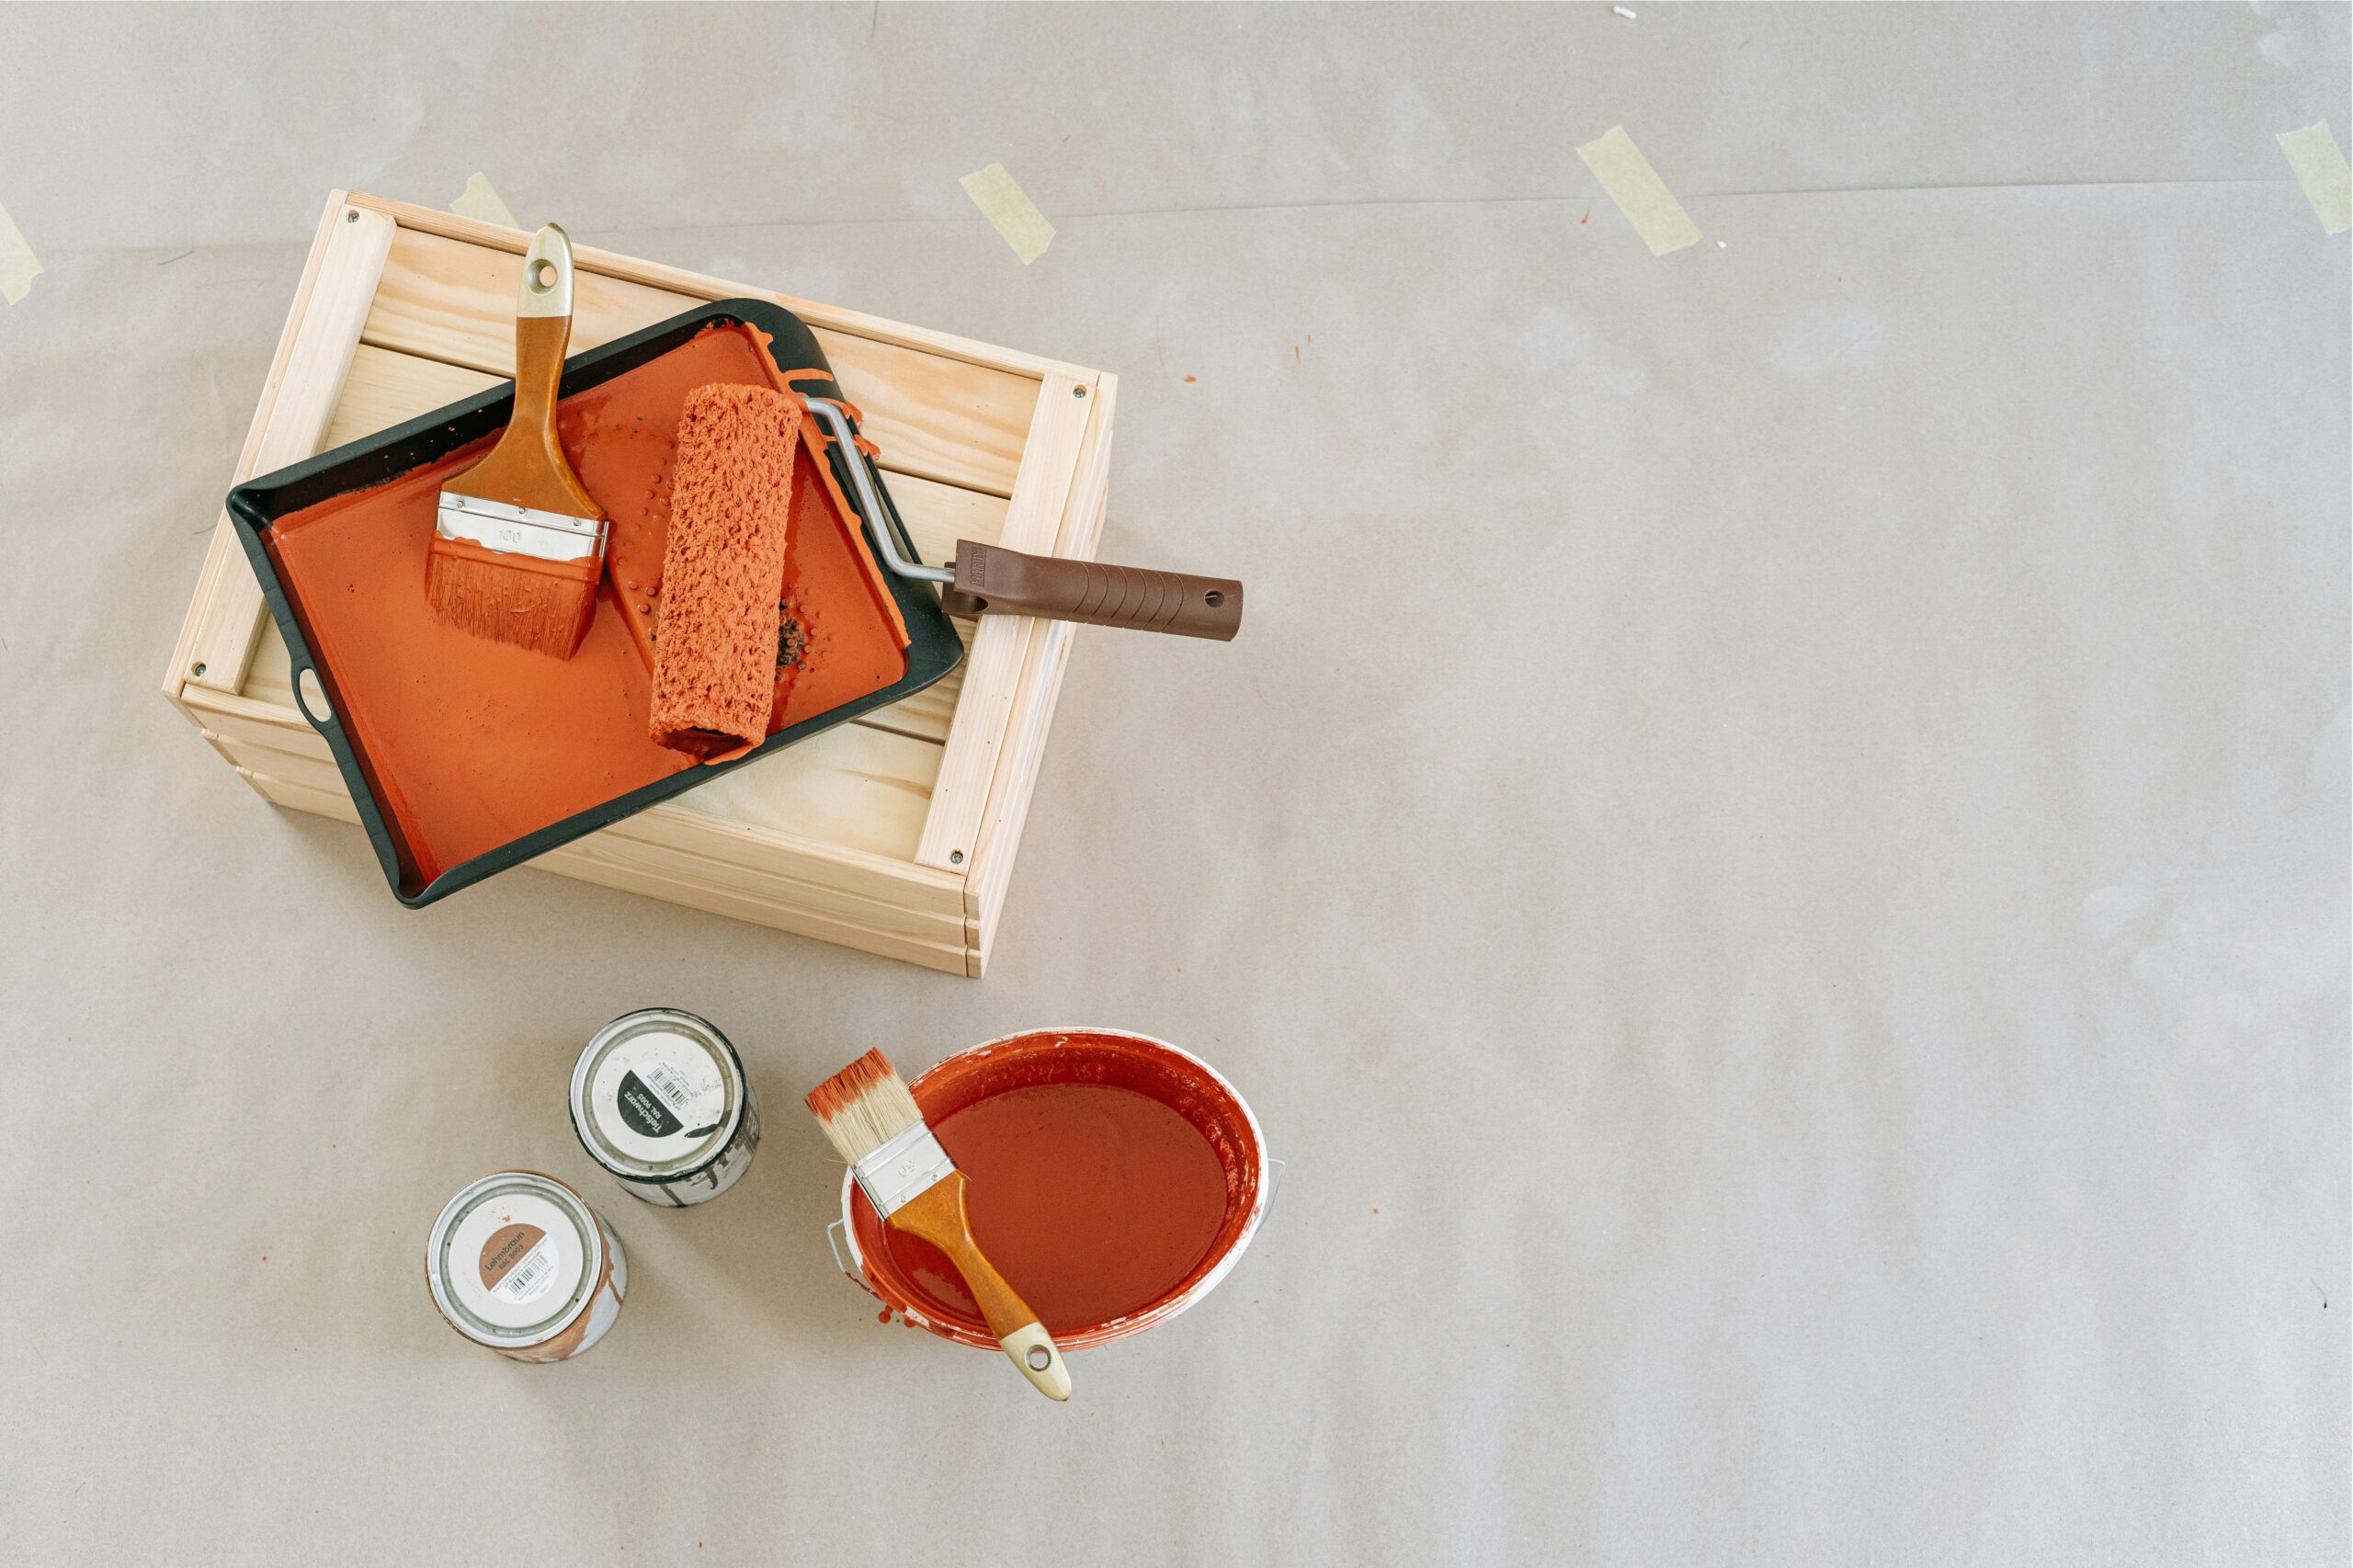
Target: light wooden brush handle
x,y
528,467
938,1217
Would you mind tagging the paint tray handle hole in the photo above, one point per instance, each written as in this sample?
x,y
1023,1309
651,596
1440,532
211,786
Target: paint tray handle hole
x,y
313,696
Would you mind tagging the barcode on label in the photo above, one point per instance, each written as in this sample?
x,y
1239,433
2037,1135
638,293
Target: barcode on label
x,y
669,1083
529,1277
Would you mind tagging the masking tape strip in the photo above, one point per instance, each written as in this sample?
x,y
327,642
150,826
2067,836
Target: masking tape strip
x,y
1640,194
1008,207
2320,169
478,200
18,266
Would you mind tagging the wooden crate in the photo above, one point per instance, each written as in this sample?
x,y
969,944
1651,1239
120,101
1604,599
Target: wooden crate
x,y
894,833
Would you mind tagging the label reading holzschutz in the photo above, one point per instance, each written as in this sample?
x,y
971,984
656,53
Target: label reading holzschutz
x,y
659,1098
650,1099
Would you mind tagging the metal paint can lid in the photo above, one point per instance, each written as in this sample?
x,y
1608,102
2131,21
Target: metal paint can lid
x,y
657,1094
514,1259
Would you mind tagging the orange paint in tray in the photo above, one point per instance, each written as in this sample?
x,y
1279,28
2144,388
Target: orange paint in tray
x,y
473,744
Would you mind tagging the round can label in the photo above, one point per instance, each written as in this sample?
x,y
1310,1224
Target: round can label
x,y
659,1098
516,1261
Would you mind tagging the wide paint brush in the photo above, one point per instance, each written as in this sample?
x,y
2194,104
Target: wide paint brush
x,y
871,1117
517,543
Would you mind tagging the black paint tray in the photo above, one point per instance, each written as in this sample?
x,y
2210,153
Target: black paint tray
x,y
376,687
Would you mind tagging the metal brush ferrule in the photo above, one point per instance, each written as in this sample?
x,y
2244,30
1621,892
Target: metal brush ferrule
x,y
902,1169
518,531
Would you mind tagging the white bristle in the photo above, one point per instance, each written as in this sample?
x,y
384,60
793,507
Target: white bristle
x,y
863,1106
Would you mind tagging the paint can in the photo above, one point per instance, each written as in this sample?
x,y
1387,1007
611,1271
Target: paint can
x,y
518,1262
1109,1207
659,1099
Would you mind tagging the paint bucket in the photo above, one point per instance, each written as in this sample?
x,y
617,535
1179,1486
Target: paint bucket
x,y
520,1263
660,1100
1151,1178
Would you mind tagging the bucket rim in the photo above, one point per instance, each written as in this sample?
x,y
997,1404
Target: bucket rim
x,y
1116,1328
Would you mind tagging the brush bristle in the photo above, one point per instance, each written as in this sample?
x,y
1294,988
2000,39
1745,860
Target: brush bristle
x,y
539,604
863,1106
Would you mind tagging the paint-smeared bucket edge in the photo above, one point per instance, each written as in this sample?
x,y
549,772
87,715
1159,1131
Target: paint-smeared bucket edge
x,y
1116,1328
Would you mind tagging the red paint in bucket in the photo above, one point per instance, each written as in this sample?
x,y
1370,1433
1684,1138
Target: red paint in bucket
x,y
1114,1178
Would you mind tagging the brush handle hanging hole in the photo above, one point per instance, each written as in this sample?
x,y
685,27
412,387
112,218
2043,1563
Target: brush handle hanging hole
x,y
313,697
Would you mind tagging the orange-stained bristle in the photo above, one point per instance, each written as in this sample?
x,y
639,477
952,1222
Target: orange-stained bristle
x,y
863,1106
833,1097
544,606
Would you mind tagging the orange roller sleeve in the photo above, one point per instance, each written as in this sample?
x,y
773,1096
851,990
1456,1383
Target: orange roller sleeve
x,y
715,652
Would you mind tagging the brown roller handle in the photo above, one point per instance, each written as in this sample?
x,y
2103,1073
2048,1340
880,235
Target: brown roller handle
x,y
990,580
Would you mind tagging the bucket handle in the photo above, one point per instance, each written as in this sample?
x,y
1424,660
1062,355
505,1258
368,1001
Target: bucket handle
x,y
834,1245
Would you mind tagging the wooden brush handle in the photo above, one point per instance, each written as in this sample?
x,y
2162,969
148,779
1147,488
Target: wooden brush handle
x,y
938,1217
528,466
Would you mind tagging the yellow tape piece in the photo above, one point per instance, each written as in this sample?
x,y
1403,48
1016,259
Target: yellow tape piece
x,y
478,200
18,266
1008,206
2320,169
1640,194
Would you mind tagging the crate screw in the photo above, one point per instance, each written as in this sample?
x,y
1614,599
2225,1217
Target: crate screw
x,y
955,857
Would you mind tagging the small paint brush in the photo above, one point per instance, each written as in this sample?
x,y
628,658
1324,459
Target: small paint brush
x,y
871,1117
517,543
